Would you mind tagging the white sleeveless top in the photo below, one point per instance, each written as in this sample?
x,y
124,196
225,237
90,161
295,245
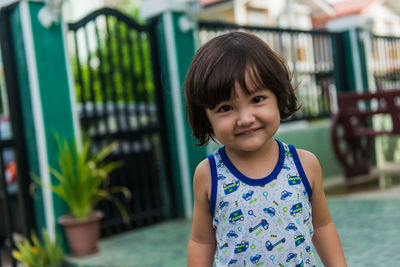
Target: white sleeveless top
x,y
263,221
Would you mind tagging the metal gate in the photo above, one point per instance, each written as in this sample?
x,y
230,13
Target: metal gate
x,y
16,204
384,61
119,97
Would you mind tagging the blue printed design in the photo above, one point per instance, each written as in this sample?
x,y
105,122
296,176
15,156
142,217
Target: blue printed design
x,y
236,216
285,194
294,179
221,177
291,256
255,259
264,224
253,219
232,233
297,208
232,187
270,211
271,246
298,240
241,247
291,226
247,196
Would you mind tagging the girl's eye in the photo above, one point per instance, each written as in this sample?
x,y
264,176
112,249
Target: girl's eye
x,y
258,99
224,108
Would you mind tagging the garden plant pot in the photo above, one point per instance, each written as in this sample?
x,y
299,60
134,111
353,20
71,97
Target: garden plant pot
x,y
82,235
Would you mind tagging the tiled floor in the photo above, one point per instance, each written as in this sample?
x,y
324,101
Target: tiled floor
x,y
368,223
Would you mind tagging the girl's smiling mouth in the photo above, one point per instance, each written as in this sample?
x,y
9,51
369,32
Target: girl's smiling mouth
x,y
248,131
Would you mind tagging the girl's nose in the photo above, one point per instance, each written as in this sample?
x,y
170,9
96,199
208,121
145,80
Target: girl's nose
x,y
246,117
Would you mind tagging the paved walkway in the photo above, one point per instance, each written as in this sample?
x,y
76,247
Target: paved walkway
x,y
367,223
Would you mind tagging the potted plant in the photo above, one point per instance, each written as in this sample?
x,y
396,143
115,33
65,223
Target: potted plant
x,y
34,253
81,177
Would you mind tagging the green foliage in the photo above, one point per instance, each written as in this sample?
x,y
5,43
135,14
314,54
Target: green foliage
x,y
81,178
35,253
118,67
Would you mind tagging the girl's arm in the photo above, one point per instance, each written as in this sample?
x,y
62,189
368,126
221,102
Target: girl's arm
x,y
326,239
201,248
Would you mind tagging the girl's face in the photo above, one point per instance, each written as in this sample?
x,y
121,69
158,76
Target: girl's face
x,y
246,123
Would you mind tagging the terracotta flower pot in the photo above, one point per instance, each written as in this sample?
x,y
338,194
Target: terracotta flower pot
x,y
82,235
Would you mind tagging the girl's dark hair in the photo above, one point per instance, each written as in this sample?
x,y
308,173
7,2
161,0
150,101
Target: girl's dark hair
x,y
225,60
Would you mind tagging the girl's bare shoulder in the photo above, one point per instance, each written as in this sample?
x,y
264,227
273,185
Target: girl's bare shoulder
x,y
202,178
311,166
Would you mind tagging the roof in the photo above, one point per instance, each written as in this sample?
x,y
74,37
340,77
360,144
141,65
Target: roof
x,y
351,7
346,8
205,3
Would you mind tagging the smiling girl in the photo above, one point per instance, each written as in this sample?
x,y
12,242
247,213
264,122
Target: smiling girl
x,y
257,201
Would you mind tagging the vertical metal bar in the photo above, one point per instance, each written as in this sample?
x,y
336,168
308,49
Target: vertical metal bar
x,y
93,113
386,63
124,115
144,93
102,77
83,115
132,69
393,64
132,169
112,73
112,86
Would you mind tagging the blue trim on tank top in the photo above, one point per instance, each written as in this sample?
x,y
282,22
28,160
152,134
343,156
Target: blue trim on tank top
x,y
213,194
262,181
300,169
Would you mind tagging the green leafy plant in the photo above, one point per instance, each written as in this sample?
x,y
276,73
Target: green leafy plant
x,y
82,176
35,253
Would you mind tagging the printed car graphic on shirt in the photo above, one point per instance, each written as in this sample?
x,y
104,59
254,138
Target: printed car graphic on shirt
x,y
221,177
223,204
220,164
232,187
232,233
270,211
247,196
298,239
232,261
294,179
290,256
296,208
291,226
236,216
255,259
285,194
241,247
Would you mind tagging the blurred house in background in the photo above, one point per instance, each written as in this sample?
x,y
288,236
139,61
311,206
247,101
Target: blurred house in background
x,y
294,14
380,16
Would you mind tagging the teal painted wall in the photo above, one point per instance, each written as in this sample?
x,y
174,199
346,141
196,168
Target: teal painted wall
x,y
185,49
54,90
169,113
54,96
27,114
315,137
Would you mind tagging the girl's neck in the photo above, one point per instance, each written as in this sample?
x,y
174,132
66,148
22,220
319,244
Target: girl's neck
x,y
255,164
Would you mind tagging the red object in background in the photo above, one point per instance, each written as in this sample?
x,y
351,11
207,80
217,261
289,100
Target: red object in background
x,y
11,172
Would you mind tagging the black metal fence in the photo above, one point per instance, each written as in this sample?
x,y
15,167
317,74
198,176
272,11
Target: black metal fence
x,y
119,98
384,62
16,205
310,56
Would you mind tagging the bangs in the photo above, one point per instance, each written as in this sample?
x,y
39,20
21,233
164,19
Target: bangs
x,y
219,86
